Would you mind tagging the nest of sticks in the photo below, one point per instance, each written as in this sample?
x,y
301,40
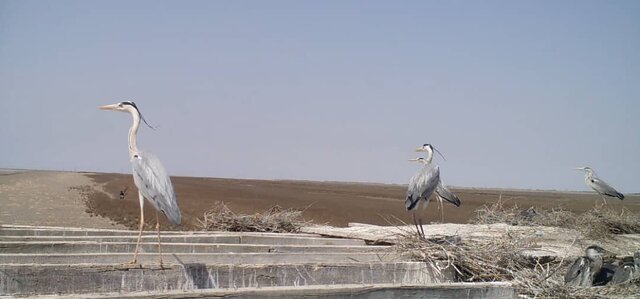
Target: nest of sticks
x,y
275,219
503,257
598,223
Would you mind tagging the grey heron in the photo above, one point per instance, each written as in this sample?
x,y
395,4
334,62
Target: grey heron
x,y
441,191
599,185
585,268
150,177
423,184
627,271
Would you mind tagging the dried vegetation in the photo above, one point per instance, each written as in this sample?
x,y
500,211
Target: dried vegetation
x,y
274,219
600,222
502,258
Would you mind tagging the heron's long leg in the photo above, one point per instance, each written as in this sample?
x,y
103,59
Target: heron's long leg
x,y
441,208
135,255
416,223
421,229
603,199
159,245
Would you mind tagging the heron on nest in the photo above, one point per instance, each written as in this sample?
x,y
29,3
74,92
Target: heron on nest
x,y
585,268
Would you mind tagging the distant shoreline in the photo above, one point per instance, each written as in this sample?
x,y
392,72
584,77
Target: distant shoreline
x,y
5,171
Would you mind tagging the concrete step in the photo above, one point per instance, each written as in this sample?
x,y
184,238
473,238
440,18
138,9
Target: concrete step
x,y
21,280
207,258
116,247
485,290
13,230
197,238
76,262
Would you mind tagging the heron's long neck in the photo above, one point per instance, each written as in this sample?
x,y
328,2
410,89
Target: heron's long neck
x,y
589,175
429,155
133,133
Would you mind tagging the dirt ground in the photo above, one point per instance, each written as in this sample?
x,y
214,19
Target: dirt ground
x,y
46,198
75,199
330,203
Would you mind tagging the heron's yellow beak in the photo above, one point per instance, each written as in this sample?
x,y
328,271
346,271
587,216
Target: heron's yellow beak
x,y
413,160
420,149
108,107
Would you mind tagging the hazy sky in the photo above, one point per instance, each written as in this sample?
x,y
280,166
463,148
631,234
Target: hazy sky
x,y
514,93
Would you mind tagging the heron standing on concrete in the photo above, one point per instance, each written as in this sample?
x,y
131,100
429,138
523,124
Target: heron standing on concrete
x,y
585,268
423,184
599,185
150,177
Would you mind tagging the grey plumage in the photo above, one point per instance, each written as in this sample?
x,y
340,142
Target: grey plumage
x,y
425,183
445,194
577,274
584,269
599,185
627,271
442,193
422,185
154,183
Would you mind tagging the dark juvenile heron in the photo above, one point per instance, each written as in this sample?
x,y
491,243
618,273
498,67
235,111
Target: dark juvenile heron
x,y
150,177
423,184
599,185
627,271
585,268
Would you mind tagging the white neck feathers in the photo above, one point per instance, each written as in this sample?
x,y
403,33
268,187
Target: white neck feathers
x,y
133,133
429,155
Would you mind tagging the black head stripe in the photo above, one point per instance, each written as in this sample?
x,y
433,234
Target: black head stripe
x,y
130,103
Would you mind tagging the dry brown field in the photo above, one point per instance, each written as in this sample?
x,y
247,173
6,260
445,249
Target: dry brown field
x,y
332,203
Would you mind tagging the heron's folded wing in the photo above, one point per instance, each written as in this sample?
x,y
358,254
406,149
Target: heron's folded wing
x,y
154,183
623,274
422,185
604,188
574,273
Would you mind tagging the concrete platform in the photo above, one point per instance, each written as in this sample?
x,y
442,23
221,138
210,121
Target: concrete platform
x,y
116,247
552,242
198,238
23,230
78,279
76,262
488,290
207,258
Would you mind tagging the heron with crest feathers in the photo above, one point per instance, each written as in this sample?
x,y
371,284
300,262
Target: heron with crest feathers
x,y
149,176
424,183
